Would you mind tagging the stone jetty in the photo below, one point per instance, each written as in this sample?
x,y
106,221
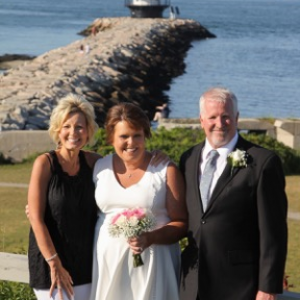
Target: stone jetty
x,y
118,60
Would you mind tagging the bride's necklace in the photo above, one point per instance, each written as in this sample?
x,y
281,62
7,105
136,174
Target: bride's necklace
x,y
133,172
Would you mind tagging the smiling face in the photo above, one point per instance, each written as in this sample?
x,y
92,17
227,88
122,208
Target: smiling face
x,y
219,122
73,134
129,142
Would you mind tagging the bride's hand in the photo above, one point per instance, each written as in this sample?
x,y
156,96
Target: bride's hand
x,y
139,244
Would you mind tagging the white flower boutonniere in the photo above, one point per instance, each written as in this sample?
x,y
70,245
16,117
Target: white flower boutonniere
x,y
237,159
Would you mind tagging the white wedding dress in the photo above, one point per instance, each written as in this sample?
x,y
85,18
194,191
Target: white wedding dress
x,y
114,277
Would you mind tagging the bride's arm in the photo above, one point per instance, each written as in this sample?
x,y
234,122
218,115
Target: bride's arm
x,y
177,211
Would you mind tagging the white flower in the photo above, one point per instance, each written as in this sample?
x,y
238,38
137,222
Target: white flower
x,y
121,221
237,159
133,221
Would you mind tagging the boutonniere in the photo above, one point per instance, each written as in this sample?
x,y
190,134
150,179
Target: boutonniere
x,y
237,159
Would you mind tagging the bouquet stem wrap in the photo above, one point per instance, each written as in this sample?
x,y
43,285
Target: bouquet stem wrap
x,y
137,260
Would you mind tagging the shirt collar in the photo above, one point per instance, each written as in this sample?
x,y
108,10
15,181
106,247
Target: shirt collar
x,y
224,150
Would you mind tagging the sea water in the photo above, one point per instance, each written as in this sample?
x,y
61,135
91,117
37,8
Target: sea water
x,y
256,53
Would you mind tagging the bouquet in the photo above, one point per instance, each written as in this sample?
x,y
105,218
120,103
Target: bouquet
x,y
130,223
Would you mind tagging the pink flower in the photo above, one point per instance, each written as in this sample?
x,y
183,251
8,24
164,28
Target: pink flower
x,y
130,223
115,218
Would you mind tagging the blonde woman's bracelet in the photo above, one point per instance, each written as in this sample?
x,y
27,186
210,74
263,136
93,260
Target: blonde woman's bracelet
x,y
51,258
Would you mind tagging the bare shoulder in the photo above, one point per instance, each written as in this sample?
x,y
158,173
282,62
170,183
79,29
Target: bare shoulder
x,y
42,166
172,167
173,171
91,157
42,160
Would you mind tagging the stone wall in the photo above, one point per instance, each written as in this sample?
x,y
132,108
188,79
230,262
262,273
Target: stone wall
x,y
20,144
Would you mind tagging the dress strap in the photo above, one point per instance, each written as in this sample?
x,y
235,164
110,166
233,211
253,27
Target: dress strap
x,y
84,166
50,161
55,166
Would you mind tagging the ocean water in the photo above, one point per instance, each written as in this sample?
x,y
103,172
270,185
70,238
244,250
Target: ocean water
x,y
256,53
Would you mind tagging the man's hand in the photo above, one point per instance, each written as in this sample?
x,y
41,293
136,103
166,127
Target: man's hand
x,y
264,296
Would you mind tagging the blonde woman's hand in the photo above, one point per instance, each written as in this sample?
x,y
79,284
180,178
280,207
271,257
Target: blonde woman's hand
x,y
60,279
159,157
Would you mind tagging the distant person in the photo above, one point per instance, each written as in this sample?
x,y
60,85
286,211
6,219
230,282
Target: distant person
x,y
87,49
237,210
162,113
81,49
94,30
172,13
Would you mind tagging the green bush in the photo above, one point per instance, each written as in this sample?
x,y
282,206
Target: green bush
x,y
15,291
290,158
3,160
177,140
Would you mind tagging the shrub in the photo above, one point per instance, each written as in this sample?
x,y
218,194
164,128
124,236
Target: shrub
x,y
290,158
3,160
15,291
177,140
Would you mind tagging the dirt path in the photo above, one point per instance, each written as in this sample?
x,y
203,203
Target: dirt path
x,y
12,184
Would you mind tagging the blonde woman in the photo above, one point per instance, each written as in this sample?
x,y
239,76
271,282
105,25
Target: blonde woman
x,y
62,206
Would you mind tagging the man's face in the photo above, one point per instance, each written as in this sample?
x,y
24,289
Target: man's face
x,y
218,122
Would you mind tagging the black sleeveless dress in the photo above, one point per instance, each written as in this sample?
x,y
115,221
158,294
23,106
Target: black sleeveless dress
x,y
70,216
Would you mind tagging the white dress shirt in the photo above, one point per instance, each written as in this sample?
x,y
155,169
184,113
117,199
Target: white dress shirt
x,y
221,161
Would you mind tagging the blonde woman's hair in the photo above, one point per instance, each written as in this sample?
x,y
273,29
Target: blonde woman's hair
x,y
72,104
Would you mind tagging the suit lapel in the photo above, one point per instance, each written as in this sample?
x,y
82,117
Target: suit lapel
x,y
221,184
195,176
227,175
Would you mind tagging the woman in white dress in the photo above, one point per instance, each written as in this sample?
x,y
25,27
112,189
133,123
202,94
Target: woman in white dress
x,y
125,180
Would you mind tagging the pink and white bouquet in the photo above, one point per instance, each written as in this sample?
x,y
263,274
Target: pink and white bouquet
x,y
130,223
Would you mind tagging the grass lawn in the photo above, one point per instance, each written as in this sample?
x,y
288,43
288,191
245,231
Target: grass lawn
x,y
14,225
18,173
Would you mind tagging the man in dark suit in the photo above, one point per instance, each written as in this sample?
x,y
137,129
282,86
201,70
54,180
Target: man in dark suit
x,y
238,240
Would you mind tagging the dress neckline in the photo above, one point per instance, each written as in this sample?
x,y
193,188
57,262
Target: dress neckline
x,y
134,184
55,157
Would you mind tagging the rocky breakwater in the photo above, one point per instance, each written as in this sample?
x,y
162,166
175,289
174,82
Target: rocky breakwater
x,y
119,59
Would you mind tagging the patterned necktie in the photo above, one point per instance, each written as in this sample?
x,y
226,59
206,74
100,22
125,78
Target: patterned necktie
x,y
207,176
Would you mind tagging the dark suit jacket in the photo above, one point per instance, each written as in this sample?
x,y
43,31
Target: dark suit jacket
x,y
238,246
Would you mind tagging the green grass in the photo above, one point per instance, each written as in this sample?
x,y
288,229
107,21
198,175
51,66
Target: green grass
x,y
18,173
14,225
293,260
